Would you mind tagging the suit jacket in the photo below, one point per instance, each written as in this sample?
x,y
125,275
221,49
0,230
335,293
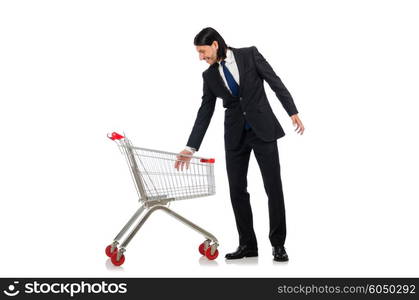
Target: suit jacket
x,y
251,104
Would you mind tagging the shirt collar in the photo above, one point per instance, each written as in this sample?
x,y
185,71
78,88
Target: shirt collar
x,y
229,56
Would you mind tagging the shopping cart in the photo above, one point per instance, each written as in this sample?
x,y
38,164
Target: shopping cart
x,y
158,183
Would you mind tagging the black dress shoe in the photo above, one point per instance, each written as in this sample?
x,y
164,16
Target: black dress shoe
x,y
279,253
243,251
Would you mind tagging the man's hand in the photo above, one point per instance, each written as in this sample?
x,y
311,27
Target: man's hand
x,y
182,159
296,122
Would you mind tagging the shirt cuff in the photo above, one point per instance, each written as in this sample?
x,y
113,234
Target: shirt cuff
x,y
193,150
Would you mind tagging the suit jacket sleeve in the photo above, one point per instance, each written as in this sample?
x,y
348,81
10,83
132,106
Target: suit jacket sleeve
x,y
268,74
203,117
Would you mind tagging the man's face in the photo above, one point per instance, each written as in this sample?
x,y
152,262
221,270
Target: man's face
x,y
208,53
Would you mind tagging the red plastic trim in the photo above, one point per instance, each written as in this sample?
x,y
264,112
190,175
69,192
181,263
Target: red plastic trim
x,y
208,160
115,136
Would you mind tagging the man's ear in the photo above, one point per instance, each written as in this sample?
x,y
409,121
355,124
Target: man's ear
x,y
215,44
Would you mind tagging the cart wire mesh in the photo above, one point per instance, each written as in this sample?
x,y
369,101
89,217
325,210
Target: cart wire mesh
x,y
156,177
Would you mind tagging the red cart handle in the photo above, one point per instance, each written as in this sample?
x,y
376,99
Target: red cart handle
x,y
115,136
208,160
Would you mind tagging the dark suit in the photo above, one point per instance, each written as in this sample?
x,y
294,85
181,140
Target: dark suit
x,y
252,106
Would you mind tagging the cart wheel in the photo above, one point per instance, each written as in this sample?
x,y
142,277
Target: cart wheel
x,y
108,251
202,249
208,254
117,262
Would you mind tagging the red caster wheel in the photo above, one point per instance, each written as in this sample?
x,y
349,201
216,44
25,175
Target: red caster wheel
x,y
202,249
209,255
117,262
108,251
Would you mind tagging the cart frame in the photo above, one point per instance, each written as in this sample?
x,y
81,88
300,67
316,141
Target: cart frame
x,y
152,202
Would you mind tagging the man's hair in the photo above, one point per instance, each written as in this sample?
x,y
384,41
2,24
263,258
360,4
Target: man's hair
x,y
207,36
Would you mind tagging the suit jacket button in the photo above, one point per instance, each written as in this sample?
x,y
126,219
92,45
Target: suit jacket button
x,y
244,113
241,98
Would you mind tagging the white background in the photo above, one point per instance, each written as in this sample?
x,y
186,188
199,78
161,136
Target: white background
x,y
72,71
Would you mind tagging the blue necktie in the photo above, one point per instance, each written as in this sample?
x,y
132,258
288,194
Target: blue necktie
x,y
232,84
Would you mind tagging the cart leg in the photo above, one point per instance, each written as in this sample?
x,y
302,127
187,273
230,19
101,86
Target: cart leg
x,y
185,221
137,227
210,251
129,224
117,255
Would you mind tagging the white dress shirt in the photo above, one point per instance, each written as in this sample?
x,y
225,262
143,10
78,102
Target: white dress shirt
x,y
234,70
231,66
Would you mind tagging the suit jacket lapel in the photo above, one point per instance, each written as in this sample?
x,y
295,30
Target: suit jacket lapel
x,y
218,77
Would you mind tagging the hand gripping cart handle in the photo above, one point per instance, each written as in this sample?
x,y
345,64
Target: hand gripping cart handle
x,y
158,183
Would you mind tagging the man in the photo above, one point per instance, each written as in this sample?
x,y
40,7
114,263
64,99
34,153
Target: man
x,y
236,76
